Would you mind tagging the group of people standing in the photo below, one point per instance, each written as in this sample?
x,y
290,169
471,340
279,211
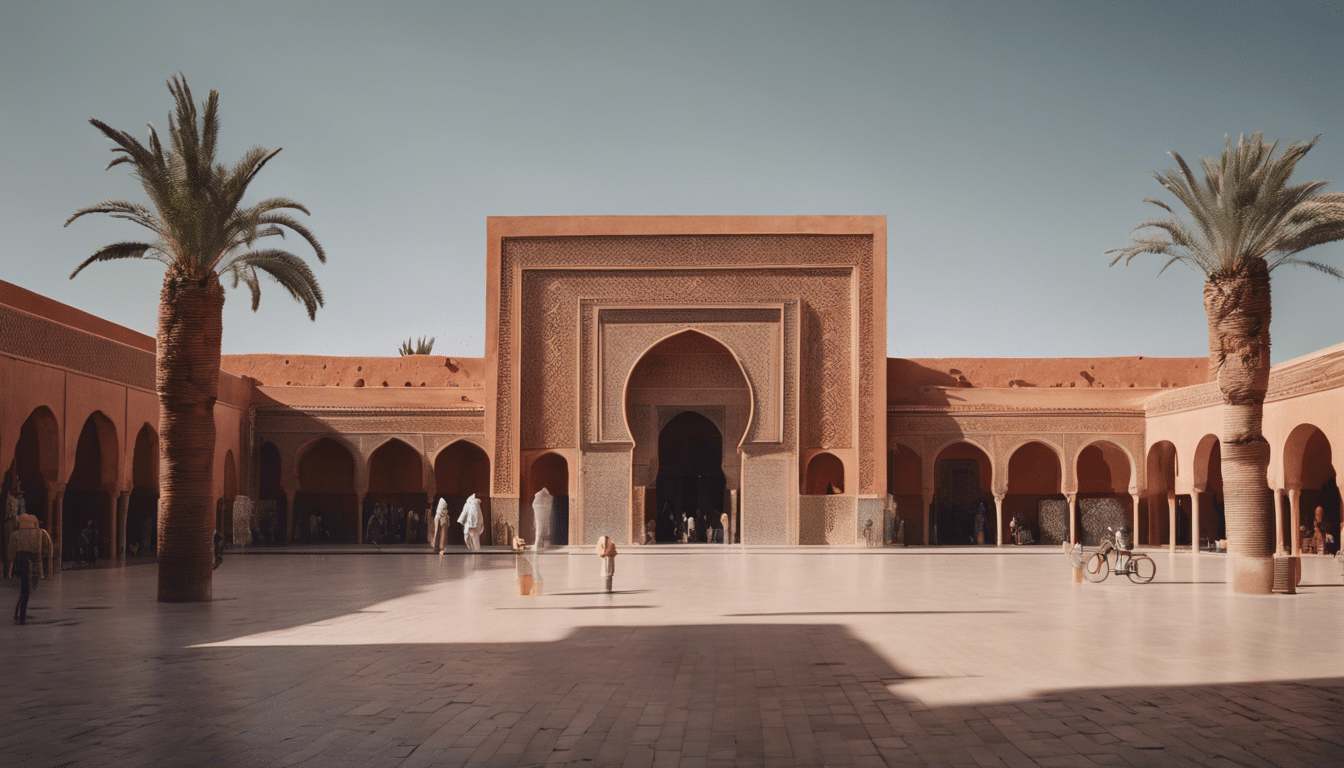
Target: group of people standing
x,y
389,525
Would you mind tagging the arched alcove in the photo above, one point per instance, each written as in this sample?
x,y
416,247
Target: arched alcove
x,y
1035,476
396,480
905,483
326,470
88,498
142,511
549,471
963,477
1156,525
460,470
688,372
690,480
35,463
1103,471
825,475
1208,483
1308,465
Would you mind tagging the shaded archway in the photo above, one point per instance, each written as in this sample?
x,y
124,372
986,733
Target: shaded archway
x,y
825,475
905,483
963,477
396,481
1156,524
88,509
326,490
1035,493
1104,501
549,471
690,480
142,510
1208,486
460,470
229,491
687,372
36,457
270,485
1309,474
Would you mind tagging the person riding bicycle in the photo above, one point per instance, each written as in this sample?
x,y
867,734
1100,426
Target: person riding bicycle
x,y
1124,545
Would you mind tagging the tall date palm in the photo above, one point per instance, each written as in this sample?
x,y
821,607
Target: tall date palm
x,y
1245,219
201,232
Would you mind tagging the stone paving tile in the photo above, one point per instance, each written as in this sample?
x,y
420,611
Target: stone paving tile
x,y
411,663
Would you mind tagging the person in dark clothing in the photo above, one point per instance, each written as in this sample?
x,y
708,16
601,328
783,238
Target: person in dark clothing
x,y
27,546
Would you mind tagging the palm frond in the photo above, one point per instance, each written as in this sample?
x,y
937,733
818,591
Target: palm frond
x,y
288,270
115,251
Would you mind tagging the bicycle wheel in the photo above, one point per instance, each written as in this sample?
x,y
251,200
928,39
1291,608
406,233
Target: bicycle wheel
x,y
1142,569
1097,568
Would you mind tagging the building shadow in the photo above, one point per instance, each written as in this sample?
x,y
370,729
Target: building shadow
x,y
755,694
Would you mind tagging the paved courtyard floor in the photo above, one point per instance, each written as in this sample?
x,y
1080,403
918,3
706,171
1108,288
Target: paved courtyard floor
x,y
703,657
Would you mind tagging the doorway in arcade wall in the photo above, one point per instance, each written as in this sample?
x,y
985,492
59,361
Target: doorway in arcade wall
x,y
691,481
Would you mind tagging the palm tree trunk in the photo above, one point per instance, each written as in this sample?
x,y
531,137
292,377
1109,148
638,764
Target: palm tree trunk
x,y
190,331
1239,311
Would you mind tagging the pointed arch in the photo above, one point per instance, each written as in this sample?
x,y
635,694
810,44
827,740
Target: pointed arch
x,y
462,468
671,338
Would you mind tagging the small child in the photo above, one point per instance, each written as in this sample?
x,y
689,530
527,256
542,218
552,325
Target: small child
x,y
606,549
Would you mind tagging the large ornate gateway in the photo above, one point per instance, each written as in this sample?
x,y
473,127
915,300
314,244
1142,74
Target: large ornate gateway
x,y
666,368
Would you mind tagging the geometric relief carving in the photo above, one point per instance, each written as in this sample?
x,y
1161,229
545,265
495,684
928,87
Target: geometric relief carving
x,y
544,279
828,520
550,365
47,341
757,345
606,496
947,423
765,499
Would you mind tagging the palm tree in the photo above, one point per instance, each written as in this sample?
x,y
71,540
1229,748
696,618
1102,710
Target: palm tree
x,y
201,233
1245,220
413,347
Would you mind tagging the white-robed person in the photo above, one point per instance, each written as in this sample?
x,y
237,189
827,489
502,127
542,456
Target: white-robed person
x,y
472,522
438,538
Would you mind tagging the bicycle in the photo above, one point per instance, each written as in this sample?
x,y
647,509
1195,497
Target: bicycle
x,y
1139,568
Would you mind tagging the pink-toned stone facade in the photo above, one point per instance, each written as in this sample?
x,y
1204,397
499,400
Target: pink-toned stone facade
x,y
601,330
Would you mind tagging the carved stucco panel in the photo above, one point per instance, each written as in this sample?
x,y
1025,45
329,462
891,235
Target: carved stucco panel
x,y
758,252
767,491
549,409
758,346
606,495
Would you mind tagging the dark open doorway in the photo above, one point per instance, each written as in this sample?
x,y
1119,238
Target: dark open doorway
x,y
690,476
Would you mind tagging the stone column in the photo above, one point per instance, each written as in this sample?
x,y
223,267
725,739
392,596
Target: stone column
x,y
728,535
1073,517
56,523
123,503
1171,521
359,518
1194,521
928,502
1295,520
1134,538
289,521
998,519
1278,520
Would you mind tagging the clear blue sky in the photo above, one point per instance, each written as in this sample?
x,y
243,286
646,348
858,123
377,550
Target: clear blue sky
x,y
1008,144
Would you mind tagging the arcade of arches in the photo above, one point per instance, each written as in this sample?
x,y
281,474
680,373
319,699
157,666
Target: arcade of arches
x,y
651,372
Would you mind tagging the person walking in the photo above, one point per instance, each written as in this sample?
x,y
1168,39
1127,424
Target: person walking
x,y
472,523
606,549
28,546
442,519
